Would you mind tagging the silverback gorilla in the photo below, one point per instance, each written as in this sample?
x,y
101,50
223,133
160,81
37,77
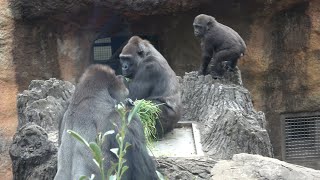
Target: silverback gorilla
x,y
221,46
92,110
152,79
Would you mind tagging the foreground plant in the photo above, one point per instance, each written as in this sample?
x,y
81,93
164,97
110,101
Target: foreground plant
x,y
117,169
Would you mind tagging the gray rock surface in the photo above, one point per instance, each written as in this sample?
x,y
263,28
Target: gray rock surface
x,y
256,167
33,156
226,115
44,103
40,8
222,108
186,168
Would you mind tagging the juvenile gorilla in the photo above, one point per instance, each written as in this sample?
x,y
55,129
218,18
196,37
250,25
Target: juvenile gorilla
x,y
92,110
221,46
152,78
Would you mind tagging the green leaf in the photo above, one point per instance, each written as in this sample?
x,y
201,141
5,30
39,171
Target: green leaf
x,y
127,145
96,162
112,168
83,178
78,137
96,152
124,160
115,151
134,111
124,169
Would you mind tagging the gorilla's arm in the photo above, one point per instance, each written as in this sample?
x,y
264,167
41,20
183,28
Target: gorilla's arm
x,y
207,54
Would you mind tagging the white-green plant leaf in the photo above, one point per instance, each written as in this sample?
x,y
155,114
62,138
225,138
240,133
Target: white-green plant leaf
x,y
78,137
109,132
160,176
115,151
92,176
97,154
112,168
127,145
105,134
115,125
112,177
134,111
96,162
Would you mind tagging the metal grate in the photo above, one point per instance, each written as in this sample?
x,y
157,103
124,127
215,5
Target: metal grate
x,y
102,53
302,136
102,49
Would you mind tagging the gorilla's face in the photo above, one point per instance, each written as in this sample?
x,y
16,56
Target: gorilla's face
x,y
199,29
128,66
118,90
202,24
132,54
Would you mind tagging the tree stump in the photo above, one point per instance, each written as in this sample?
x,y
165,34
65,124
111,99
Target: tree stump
x,y
226,116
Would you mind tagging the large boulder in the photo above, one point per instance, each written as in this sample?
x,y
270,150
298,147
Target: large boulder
x,y
186,168
256,167
40,109
225,113
44,103
33,156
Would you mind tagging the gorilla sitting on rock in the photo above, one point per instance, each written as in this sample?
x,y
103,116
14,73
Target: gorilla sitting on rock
x,y
152,78
92,110
221,46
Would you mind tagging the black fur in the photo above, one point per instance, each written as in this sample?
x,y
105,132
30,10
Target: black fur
x,y
153,79
92,110
221,46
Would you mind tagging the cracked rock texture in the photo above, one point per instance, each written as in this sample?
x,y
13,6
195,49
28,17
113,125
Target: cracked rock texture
x,y
256,167
228,121
33,156
44,103
40,8
186,168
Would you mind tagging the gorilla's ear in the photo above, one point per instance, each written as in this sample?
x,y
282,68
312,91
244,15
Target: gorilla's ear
x,y
209,25
144,48
141,49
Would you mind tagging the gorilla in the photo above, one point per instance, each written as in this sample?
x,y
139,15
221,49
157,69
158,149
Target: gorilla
x,y
92,110
221,46
152,78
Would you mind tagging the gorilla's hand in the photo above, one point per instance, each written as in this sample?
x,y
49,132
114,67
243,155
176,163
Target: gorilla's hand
x,y
129,103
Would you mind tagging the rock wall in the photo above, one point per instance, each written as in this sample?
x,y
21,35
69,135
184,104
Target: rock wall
x,y
281,68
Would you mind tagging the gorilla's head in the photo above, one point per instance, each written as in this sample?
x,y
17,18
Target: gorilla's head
x,y
202,24
99,77
132,54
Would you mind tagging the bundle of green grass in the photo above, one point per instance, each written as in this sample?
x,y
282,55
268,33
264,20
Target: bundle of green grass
x,y
149,114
